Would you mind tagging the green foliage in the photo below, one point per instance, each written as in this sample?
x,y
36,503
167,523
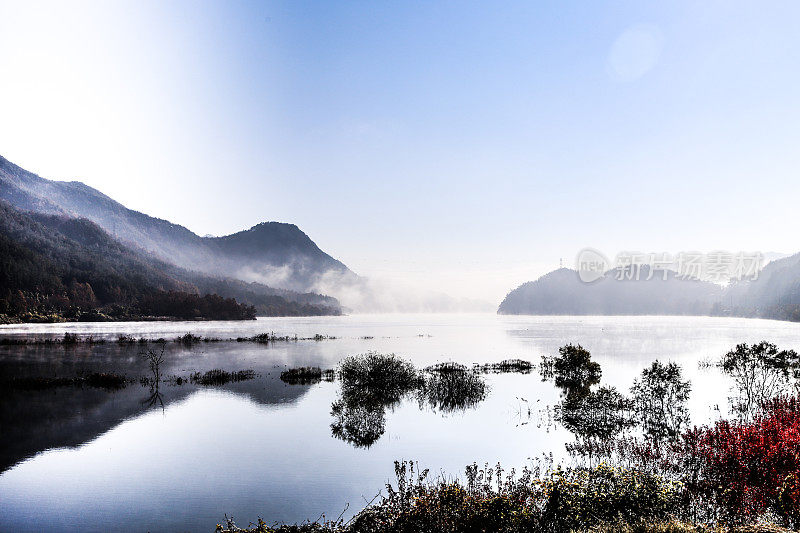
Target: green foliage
x,y
573,370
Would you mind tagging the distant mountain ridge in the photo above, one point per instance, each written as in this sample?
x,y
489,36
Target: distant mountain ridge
x,y
775,294
274,253
561,292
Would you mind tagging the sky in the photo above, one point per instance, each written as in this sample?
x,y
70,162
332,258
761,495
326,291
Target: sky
x,y
463,147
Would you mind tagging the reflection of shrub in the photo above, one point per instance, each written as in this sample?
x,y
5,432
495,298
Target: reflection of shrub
x,y
360,425
306,375
660,397
452,390
760,372
601,414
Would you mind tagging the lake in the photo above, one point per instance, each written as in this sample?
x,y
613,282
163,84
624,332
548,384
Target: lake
x,y
89,459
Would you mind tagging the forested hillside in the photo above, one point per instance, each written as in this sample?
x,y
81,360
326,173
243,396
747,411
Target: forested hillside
x,y
275,253
55,267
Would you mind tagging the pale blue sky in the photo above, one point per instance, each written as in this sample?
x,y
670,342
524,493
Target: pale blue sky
x,y
464,146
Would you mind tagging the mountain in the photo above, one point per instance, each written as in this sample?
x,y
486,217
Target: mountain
x,y
273,253
775,294
561,292
55,266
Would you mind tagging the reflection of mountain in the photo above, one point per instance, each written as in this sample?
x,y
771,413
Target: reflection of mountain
x,y
35,421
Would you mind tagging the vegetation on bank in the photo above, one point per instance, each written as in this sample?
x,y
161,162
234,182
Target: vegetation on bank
x,y
740,473
186,339
602,499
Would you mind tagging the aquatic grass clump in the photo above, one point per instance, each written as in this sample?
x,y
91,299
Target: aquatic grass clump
x,y
69,339
452,390
100,380
370,383
519,366
386,376
373,382
446,368
265,338
221,377
188,339
305,375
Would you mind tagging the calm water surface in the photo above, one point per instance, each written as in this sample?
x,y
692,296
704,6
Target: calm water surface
x,y
93,460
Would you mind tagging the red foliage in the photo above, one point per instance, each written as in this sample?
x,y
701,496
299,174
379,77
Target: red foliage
x,y
752,467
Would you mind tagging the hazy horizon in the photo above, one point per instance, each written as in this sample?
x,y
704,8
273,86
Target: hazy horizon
x,y
458,149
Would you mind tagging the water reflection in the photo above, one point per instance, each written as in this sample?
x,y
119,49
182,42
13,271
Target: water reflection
x,y
448,391
600,418
73,400
264,447
372,383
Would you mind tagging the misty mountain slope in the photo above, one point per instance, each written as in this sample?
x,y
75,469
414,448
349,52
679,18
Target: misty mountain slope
x,y
278,254
774,294
269,252
561,292
57,264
